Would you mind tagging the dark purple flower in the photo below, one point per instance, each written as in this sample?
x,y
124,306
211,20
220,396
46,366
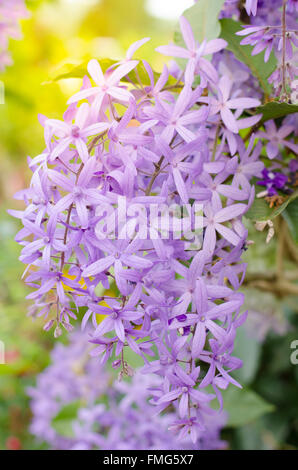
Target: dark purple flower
x,y
273,181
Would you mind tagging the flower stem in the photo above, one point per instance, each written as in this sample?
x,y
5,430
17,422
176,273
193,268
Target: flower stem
x,y
284,30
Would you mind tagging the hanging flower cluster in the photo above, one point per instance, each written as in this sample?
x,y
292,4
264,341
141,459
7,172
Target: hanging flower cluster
x,y
104,210
11,11
107,414
273,27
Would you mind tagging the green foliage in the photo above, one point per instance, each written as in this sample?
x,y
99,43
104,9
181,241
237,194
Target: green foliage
x,y
26,345
244,406
62,422
260,210
248,349
275,110
290,214
256,64
277,382
266,433
79,71
136,75
203,17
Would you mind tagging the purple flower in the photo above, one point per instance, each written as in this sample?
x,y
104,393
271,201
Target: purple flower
x,y
213,221
273,181
175,118
124,419
155,90
116,318
277,138
134,153
75,134
183,389
194,52
262,38
78,191
105,85
292,6
119,255
293,166
223,104
218,359
11,11
48,241
251,7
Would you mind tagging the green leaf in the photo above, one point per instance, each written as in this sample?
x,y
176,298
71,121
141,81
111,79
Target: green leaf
x,y
140,73
79,71
203,18
279,210
258,67
290,214
275,110
244,406
62,423
248,349
260,209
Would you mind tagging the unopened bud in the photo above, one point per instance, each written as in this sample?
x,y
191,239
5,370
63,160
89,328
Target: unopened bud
x,y
67,326
57,332
120,376
116,364
48,325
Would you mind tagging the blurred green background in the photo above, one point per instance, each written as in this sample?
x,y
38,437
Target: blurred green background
x,y
63,32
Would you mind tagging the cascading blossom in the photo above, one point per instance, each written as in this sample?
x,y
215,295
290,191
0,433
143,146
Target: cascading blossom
x,y
11,11
132,149
112,415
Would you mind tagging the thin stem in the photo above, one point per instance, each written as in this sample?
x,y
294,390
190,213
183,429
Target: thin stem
x,y
175,85
284,30
65,235
69,169
280,250
154,176
252,131
291,246
278,288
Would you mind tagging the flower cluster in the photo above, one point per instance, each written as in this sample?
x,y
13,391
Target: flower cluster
x,y
106,414
273,26
11,11
152,142
278,179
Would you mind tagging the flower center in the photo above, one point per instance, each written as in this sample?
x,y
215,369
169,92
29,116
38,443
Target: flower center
x,y
75,131
77,191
